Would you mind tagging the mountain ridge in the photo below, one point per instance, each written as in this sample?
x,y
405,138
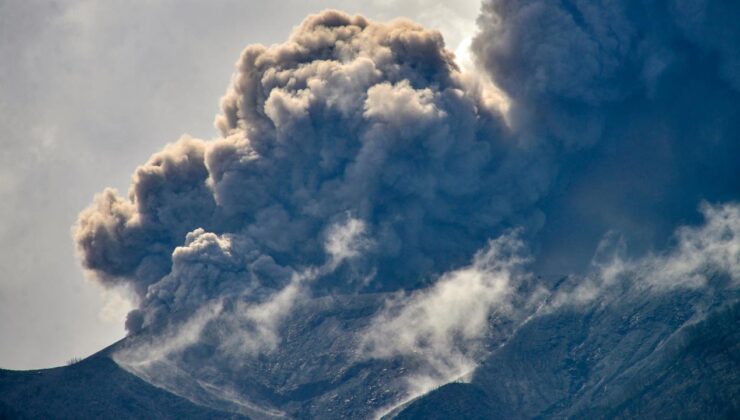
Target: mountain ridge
x,y
673,355
95,387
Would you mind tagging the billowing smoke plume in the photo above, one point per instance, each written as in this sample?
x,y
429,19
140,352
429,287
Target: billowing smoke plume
x,y
349,118
357,158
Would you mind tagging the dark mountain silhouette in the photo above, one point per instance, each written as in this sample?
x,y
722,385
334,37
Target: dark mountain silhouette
x,y
95,387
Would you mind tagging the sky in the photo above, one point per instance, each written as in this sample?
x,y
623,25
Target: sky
x,y
89,90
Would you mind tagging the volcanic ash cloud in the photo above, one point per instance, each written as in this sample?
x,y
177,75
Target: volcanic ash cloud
x,y
348,119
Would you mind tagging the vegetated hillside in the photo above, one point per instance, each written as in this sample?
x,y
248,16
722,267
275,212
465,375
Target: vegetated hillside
x,y
94,388
636,357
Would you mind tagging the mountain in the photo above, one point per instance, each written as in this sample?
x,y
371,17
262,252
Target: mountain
x,y
674,354
637,357
453,400
92,388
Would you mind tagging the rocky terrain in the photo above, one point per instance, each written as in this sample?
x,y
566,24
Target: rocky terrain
x,y
628,355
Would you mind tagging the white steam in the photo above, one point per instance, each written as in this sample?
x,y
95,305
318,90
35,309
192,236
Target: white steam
x,y
443,326
699,255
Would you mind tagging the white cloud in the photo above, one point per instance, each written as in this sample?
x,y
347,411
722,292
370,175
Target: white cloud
x,y
699,254
442,326
346,240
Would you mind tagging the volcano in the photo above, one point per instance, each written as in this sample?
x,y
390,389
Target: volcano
x,y
372,232
673,357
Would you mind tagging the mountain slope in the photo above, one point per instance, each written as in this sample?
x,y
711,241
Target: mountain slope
x,y
93,388
698,372
454,400
670,356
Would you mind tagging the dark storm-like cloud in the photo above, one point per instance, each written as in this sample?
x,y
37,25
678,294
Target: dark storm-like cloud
x,y
587,56
638,101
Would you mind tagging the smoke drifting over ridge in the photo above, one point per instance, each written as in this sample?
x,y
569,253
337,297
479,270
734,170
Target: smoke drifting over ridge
x,y
357,157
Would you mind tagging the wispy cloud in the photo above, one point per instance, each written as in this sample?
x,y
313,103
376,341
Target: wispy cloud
x,y
699,254
443,326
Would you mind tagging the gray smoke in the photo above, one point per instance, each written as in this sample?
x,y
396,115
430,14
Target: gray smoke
x,y
348,118
638,103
